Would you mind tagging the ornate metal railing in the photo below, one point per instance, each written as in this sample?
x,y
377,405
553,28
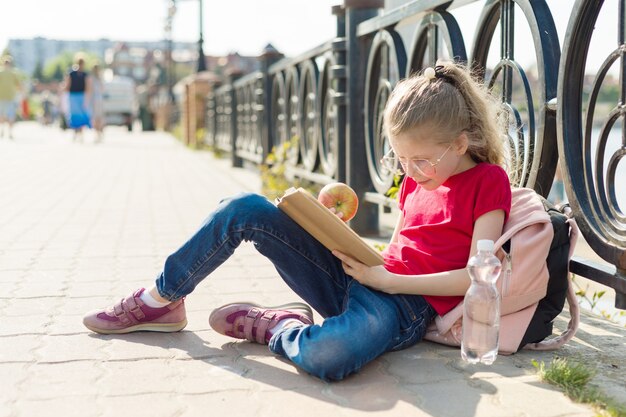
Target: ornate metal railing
x,y
592,195
330,102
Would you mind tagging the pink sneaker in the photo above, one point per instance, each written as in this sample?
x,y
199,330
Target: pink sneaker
x,y
132,315
253,322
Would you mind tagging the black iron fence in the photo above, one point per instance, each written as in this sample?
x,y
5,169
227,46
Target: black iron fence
x,y
328,102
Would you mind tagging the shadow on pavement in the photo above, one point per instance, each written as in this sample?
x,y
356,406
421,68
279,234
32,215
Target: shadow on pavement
x,y
427,377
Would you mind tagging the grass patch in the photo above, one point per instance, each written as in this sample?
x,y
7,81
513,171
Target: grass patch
x,y
573,378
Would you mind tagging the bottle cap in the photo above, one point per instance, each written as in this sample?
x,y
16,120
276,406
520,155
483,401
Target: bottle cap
x,y
485,245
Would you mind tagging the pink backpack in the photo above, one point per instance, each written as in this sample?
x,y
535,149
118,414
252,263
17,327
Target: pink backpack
x,y
523,282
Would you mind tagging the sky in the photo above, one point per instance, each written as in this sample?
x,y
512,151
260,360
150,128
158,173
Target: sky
x,y
245,26
233,25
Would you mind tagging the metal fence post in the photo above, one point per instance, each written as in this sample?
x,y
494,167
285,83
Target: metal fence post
x,y
357,175
339,49
269,56
236,161
210,122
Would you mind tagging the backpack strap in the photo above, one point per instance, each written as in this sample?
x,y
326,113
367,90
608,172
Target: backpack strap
x,y
527,209
574,309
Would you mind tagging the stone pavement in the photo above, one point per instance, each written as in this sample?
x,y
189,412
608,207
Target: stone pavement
x,y
82,225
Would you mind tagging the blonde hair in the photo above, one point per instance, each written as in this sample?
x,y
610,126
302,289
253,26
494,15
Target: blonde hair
x,y
449,101
79,58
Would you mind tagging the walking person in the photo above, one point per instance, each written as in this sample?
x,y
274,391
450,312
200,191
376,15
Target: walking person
x,y
96,87
46,107
444,136
9,87
77,87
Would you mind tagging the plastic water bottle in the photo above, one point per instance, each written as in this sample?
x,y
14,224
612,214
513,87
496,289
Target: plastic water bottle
x,y
481,313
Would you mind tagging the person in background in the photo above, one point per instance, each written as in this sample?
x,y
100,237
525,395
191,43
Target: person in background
x,y
77,86
97,101
9,87
46,108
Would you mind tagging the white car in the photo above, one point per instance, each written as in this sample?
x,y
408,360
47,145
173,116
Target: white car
x,y
120,102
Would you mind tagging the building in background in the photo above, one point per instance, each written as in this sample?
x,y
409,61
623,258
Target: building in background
x,y
134,62
27,53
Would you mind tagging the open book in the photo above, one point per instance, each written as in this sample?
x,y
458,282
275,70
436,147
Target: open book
x,y
326,227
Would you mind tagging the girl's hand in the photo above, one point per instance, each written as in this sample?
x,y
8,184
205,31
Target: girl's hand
x,y
376,277
334,211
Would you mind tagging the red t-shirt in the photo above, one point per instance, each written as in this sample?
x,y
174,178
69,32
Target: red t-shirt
x,y
438,225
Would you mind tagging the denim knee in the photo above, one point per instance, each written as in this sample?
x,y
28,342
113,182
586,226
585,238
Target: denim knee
x,y
246,210
332,357
332,362
246,203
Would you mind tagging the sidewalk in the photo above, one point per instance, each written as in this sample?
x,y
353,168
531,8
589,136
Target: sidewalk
x,y
82,225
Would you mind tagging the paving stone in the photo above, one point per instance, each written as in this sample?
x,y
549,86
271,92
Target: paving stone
x,y
71,347
10,276
20,348
20,324
37,306
53,264
49,381
137,346
51,286
152,376
89,289
13,375
78,306
70,406
232,403
371,401
63,324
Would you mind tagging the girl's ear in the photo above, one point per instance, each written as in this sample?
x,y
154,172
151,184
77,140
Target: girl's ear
x,y
461,144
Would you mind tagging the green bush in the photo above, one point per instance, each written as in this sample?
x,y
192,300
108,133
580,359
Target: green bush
x,y
274,180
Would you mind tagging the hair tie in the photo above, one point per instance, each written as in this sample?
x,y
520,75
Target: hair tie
x,y
438,72
430,73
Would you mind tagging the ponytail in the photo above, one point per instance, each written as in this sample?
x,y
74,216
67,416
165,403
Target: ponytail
x,y
484,131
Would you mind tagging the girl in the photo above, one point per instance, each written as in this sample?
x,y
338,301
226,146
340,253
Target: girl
x,y
442,128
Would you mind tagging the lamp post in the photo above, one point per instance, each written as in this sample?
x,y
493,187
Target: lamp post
x,y
171,12
169,63
201,59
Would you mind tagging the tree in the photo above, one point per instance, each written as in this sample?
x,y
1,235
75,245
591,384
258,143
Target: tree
x,y
58,74
38,72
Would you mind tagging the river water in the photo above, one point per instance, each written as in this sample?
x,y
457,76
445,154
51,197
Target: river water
x,y
614,143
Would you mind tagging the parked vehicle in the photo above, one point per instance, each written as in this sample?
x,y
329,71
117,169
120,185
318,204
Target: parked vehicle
x,y
120,101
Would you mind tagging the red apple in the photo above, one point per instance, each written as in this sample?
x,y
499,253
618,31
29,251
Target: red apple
x,y
341,198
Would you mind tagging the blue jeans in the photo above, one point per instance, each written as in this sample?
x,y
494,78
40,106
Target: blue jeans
x,y
360,323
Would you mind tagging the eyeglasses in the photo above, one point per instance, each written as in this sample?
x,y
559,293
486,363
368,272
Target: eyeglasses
x,y
389,162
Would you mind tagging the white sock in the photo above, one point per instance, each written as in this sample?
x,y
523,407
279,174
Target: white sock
x,y
150,301
284,324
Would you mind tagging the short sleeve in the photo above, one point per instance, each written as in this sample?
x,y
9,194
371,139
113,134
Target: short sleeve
x,y
405,188
494,194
